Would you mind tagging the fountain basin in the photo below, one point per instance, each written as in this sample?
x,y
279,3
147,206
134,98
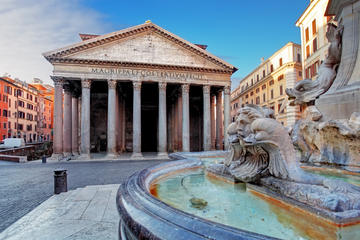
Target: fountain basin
x,y
147,213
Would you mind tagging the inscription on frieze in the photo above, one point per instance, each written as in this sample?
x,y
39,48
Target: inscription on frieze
x,y
147,73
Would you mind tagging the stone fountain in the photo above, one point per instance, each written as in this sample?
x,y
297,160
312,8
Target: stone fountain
x,y
267,157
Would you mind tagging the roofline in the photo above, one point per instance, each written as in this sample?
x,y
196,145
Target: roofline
x,y
312,4
268,59
113,36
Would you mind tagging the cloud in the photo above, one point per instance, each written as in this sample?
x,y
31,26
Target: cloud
x,y
29,28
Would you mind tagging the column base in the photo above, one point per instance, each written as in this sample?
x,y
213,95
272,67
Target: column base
x,y
56,157
112,156
163,155
137,156
76,154
84,156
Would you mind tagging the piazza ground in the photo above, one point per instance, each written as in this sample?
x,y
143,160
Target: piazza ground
x,y
24,186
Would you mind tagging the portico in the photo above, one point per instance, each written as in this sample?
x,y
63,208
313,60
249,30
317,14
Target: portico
x,y
137,90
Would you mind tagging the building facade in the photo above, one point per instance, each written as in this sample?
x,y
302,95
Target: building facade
x,y
265,86
314,44
20,111
5,88
45,107
141,89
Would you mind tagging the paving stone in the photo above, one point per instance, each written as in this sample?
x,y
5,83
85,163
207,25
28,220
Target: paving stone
x,y
25,186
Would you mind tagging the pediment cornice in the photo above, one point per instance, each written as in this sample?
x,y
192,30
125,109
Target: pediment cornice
x,y
62,53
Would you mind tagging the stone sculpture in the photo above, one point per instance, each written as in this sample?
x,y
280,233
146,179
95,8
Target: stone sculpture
x,y
262,153
307,90
331,142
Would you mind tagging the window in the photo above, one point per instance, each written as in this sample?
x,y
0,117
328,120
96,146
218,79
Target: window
x,y
281,90
280,62
252,101
9,125
314,30
279,106
307,51
247,96
271,68
263,73
281,77
271,82
264,97
315,45
5,124
252,82
252,93
9,102
299,57
307,73
263,87
5,113
300,73
257,100
307,34
272,93
20,126
257,90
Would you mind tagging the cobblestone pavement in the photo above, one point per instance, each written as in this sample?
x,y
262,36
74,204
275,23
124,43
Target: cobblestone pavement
x,y
25,186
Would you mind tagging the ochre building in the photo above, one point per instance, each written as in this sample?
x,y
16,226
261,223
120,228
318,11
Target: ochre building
x,y
141,89
265,86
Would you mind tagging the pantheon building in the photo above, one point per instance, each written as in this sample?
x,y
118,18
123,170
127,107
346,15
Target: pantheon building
x,y
140,89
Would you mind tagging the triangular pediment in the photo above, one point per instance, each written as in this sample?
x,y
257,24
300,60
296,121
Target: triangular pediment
x,y
146,43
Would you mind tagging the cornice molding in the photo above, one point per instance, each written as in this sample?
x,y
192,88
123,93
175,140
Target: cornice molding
x,y
134,64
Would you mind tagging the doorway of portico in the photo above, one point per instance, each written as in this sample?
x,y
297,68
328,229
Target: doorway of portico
x,y
149,117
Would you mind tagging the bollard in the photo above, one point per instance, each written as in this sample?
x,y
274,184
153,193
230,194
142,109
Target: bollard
x,y
43,159
60,181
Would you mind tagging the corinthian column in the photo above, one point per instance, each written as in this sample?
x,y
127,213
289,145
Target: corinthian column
x,y
219,121
67,137
226,114
162,146
85,119
212,117
206,119
111,124
137,121
186,118
75,121
58,119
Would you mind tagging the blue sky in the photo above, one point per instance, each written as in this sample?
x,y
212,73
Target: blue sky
x,y
240,32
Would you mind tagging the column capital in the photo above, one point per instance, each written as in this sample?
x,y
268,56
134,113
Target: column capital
x,y
75,94
68,89
85,83
185,88
206,89
227,90
112,83
137,85
58,81
162,85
